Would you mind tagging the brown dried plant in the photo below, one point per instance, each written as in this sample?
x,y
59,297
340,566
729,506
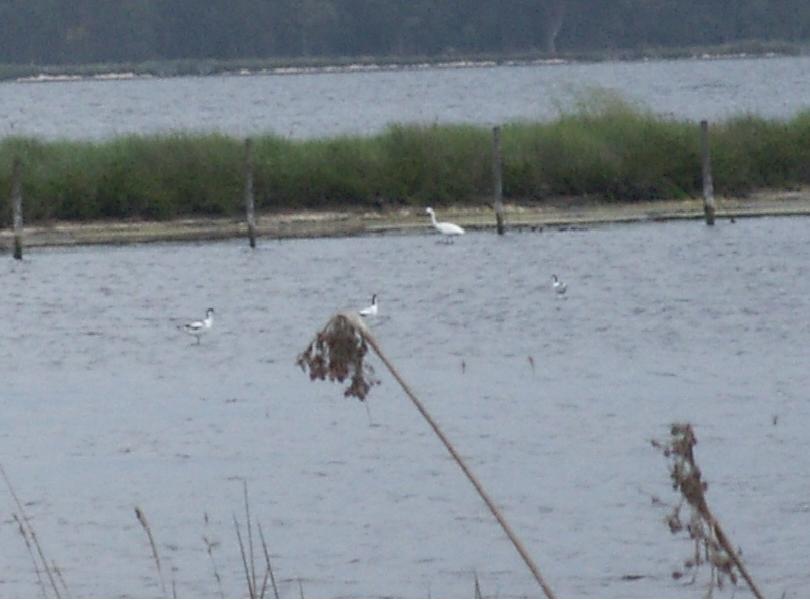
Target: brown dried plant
x,y
711,545
337,353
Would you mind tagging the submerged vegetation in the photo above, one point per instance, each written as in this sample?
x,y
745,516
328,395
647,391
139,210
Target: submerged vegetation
x,y
604,149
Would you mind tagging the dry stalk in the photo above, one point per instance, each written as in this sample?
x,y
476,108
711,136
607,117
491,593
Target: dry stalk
x,y
249,535
269,568
209,546
248,554
338,352
477,587
251,588
145,524
711,545
61,579
24,535
27,530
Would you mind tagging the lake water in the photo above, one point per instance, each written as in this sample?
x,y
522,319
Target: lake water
x,y
315,105
107,406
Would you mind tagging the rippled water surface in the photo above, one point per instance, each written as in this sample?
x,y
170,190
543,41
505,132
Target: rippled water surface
x,y
107,406
315,105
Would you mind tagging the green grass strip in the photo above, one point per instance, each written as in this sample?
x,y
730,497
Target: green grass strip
x,y
604,148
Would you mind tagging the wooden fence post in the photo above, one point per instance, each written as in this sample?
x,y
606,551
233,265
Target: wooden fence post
x,y
708,185
16,204
250,201
497,175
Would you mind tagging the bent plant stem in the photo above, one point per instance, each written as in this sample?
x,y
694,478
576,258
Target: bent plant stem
x,y
139,514
460,461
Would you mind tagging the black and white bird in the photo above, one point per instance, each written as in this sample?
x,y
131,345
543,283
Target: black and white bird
x,y
370,310
558,285
443,227
199,328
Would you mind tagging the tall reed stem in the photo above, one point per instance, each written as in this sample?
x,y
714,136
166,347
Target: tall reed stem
x,y
521,549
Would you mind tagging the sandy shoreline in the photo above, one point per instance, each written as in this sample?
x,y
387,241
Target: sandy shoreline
x,y
300,224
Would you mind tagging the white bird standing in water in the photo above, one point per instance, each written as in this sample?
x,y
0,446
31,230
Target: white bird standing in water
x,y
371,310
198,328
558,285
448,229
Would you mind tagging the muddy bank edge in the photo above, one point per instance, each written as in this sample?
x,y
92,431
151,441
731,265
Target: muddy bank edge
x,y
305,224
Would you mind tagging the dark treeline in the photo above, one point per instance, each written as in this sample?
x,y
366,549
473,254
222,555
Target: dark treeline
x,y
56,32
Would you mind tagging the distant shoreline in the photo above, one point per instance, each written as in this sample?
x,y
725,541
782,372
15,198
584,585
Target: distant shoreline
x,y
367,64
566,213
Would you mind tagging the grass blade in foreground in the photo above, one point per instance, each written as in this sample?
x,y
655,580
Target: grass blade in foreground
x,y
26,531
338,352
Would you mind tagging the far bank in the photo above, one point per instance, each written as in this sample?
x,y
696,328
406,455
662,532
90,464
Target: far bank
x,y
310,224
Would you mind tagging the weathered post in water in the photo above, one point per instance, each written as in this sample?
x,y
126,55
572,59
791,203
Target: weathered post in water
x,y
16,204
497,176
708,186
250,201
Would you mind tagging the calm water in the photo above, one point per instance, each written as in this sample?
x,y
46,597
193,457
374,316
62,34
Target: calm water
x,y
107,406
316,105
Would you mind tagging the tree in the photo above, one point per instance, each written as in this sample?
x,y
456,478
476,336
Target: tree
x,y
82,31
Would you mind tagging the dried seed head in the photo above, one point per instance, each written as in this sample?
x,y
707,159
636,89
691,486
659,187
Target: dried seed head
x,y
338,353
700,526
674,521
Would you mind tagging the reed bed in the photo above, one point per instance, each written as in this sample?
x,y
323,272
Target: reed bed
x,y
605,149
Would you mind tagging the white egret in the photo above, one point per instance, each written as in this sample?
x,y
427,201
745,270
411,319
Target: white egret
x,y
448,229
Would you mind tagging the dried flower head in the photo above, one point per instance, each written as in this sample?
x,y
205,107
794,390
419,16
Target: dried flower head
x,y
338,352
710,543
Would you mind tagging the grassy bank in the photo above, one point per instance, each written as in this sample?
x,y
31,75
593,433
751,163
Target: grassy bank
x,y
604,150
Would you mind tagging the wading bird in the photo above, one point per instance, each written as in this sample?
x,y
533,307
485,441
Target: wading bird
x,y
558,285
371,310
198,328
448,229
